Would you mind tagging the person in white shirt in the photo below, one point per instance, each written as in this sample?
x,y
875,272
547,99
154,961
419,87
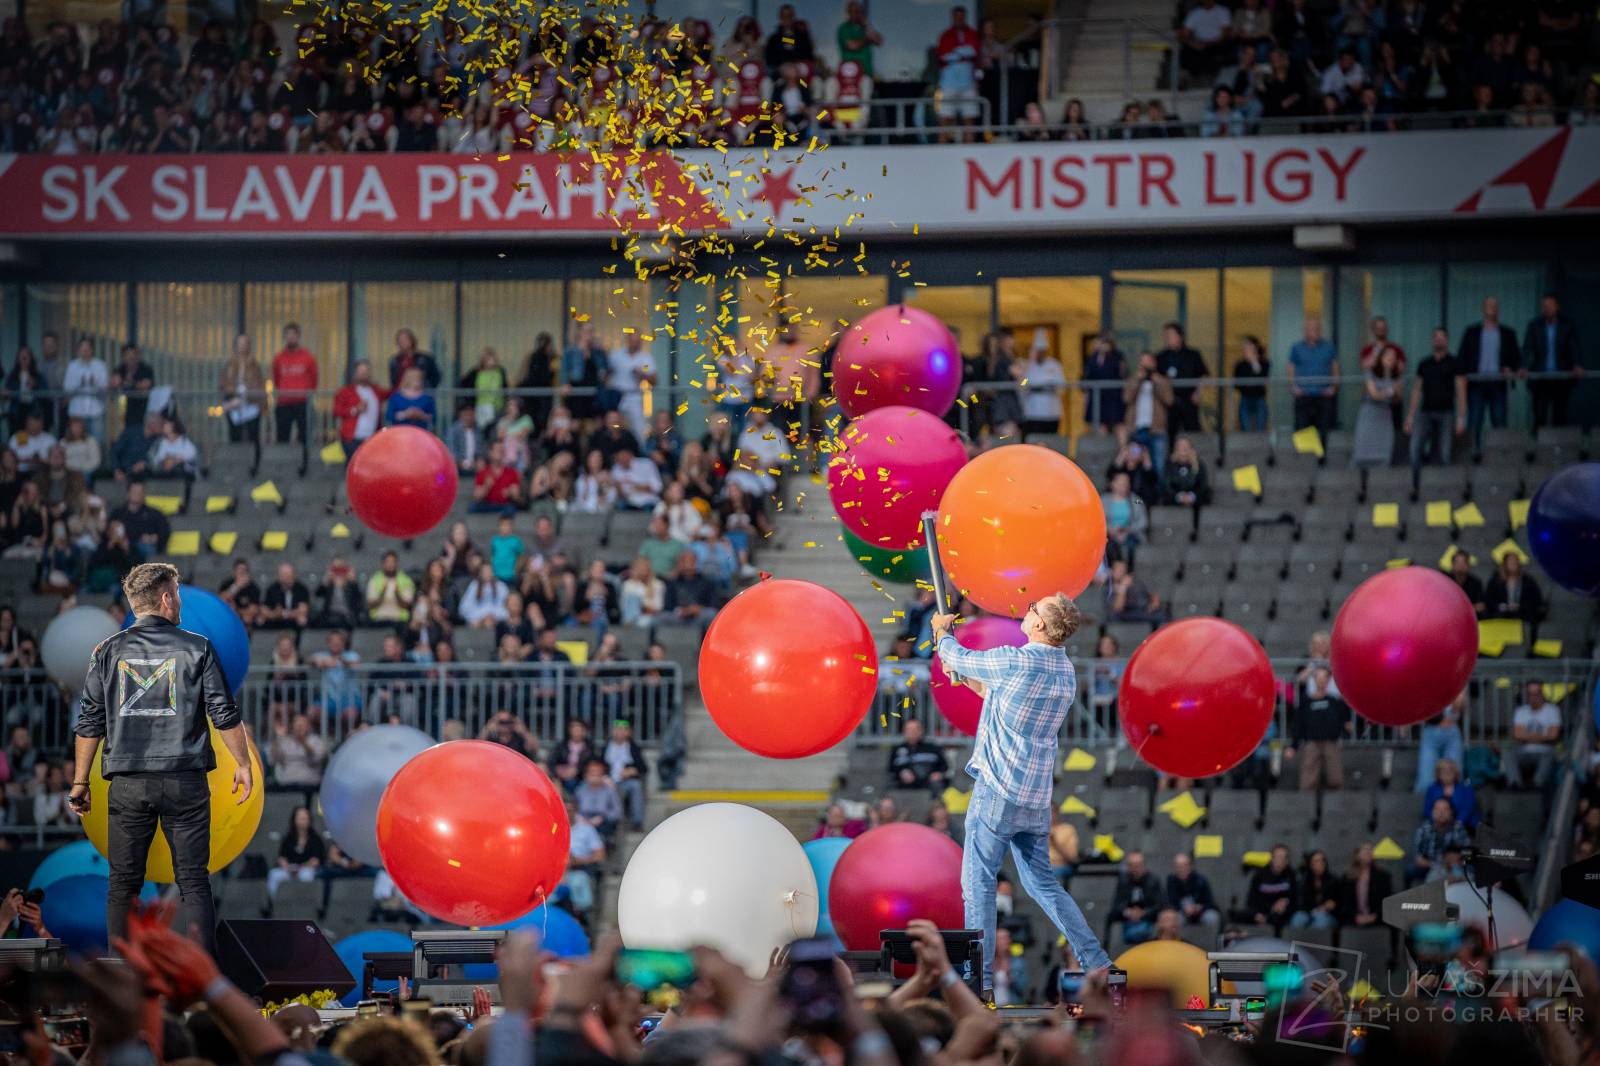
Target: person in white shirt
x,y
484,602
596,490
1344,77
633,373
31,444
761,448
1206,34
174,455
684,520
637,479
85,380
1536,727
1041,397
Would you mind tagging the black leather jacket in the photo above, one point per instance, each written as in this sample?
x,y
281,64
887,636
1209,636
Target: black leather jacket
x,y
148,692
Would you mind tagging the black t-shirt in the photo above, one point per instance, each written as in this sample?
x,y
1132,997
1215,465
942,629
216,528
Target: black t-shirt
x,y
1181,363
248,596
138,402
287,598
146,521
1247,377
300,854
1438,377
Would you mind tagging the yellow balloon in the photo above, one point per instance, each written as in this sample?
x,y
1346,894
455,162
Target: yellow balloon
x,y
232,823
1179,967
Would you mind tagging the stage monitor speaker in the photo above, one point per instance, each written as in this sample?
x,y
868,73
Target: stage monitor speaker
x,y
273,959
1580,881
1498,857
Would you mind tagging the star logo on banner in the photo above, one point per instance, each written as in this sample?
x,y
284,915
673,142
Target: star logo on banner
x,y
777,189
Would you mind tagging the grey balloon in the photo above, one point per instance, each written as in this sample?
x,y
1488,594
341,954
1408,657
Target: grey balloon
x,y
70,639
352,785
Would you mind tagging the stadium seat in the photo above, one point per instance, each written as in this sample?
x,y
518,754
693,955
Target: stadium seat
x,y
1373,947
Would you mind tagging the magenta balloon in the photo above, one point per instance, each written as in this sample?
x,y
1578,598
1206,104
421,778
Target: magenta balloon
x,y
897,355
960,705
894,463
1404,645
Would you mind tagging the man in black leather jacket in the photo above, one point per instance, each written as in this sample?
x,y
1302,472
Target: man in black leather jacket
x,y
148,693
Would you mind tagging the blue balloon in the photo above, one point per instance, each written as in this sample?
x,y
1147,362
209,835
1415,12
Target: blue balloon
x,y
206,614
74,910
1568,921
1564,528
559,933
352,947
824,855
71,860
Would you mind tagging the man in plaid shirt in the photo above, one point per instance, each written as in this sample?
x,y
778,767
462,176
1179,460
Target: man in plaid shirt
x,y
1027,693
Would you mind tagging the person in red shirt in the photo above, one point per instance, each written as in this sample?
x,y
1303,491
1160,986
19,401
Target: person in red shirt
x,y
294,379
497,487
359,408
1380,341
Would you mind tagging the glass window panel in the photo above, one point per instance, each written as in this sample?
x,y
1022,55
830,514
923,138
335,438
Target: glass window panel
x,y
1246,312
10,323
1063,314
508,316
1144,301
186,331
94,311
910,28
426,308
612,305
1517,286
319,308
964,308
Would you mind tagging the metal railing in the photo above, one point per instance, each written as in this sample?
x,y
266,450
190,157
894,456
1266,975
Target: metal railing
x,y
1574,769
1494,693
543,696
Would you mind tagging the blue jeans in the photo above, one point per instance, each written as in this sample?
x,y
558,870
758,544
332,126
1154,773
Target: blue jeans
x,y
1317,919
1438,742
1156,445
1486,397
980,866
1252,414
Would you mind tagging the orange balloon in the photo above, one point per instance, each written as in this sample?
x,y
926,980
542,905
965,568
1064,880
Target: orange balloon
x,y
1019,523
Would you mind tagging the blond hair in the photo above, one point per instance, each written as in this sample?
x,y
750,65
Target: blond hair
x,y
385,1042
1059,617
146,582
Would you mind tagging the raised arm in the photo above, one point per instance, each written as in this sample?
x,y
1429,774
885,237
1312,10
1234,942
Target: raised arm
x,y
988,666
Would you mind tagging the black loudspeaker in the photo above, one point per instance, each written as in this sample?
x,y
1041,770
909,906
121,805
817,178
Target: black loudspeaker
x,y
273,959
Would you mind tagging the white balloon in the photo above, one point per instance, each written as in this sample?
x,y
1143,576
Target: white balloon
x,y
723,875
70,639
1512,926
352,785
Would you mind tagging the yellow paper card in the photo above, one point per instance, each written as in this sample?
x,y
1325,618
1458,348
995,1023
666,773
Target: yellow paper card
x,y
1105,845
339,530
274,540
1208,846
266,492
1247,479
1074,805
332,454
956,800
1396,564
1182,799
222,541
167,505
1498,634
1386,515
1388,849
577,650
1518,510
1468,515
1185,817
1308,441
1506,547
1556,691
1079,761
218,504
1256,858
1547,649
184,542
1438,513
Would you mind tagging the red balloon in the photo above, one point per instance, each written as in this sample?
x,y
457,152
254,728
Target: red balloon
x,y
473,833
890,875
960,705
1404,645
787,669
402,482
1197,697
897,355
894,463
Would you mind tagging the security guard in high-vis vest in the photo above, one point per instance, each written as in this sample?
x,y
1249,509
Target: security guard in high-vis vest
x,y
147,696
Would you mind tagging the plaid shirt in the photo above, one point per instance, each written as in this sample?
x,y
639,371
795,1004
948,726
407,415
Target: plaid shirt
x,y
1030,691
1431,840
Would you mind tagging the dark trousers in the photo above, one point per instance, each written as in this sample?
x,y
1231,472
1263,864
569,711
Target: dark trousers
x,y
1549,402
1484,398
181,802
1184,414
1314,411
290,415
244,432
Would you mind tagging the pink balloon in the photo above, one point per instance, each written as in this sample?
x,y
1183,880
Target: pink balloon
x,y
959,704
1404,645
894,464
897,355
